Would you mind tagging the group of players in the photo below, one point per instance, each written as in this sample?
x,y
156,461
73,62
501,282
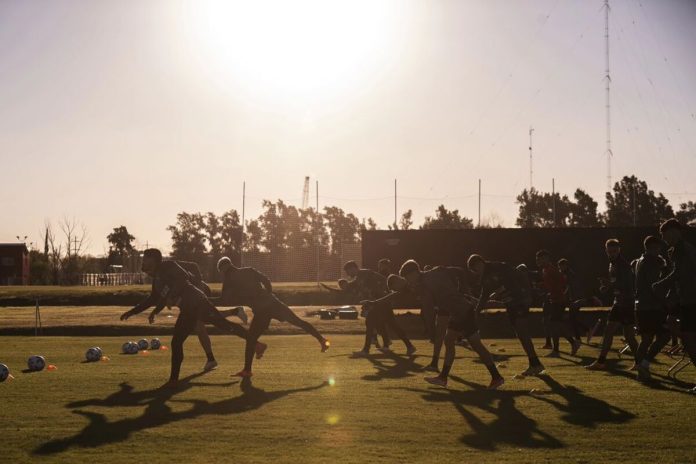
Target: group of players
x,y
655,293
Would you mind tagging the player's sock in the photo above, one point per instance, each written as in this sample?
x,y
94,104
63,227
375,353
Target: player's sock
x,y
444,373
493,371
602,359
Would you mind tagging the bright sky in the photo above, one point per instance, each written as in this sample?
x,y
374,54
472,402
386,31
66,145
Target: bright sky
x,y
127,112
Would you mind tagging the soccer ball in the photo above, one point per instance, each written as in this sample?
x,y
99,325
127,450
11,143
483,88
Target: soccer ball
x,y
155,344
143,344
93,354
130,348
4,372
36,363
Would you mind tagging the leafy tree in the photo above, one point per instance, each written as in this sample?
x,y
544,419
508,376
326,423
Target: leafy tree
x,y
537,209
369,224
253,236
583,213
687,212
446,219
189,237
120,245
343,228
632,203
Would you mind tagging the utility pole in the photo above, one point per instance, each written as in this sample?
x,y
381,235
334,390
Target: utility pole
x,y
394,204
531,170
553,197
607,80
243,204
479,204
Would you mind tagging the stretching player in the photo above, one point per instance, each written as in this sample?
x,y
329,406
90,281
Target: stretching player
x,y
513,287
249,287
381,312
435,288
650,306
576,301
621,314
203,337
369,285
171,283
683,276
555,285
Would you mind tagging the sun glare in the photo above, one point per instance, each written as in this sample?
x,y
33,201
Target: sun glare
x,y
293,49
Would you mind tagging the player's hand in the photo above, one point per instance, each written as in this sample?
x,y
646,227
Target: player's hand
x,y
126,315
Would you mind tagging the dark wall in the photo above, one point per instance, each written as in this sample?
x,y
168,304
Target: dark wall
x,y
584,247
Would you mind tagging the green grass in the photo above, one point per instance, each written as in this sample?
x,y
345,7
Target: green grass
x,y
378,410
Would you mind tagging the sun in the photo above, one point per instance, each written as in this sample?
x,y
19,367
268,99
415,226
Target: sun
x,y
293,49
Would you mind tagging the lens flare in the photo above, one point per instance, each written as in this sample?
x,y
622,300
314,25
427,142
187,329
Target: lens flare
x,y
332,419
332,381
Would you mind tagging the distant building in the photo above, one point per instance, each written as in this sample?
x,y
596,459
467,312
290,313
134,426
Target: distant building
x,y
14,264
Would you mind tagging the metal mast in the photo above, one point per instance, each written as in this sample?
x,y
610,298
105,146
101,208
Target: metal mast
x,y
607,80
305,193
531,170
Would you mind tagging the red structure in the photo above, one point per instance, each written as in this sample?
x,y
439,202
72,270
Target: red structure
x,y
14,264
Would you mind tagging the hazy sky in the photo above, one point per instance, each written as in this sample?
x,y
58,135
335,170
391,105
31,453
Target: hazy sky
x,y
127,112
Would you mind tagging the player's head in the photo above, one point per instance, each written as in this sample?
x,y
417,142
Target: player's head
x,y
652,245
224,264
384,266
396,283
342,284
351,268
613,248
152,258
543,258
476,264
410,271
563,265
671,231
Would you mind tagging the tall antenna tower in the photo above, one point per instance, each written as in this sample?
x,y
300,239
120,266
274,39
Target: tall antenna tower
x,y
531,170
305,193
607,80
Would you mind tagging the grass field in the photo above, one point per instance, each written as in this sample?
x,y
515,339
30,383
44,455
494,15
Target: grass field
x,y
373,410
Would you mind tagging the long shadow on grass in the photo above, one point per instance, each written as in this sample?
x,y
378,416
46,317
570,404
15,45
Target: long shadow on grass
x,y
510,426
100,431
398,367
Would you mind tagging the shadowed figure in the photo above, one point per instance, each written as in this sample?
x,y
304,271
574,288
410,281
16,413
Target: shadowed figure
x,y
510,426
580,409
99,431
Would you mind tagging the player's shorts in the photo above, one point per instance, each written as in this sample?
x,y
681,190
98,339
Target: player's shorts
x,y
652,321
687,318
463,322
623,314
516,311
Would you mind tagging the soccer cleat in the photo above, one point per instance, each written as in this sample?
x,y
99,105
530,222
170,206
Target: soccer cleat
x,y
575,348
692,391
260,349
596,366
439,381
553,354
210,365
496,383
533,371
241,314
410,350
325,344
644,374
244,374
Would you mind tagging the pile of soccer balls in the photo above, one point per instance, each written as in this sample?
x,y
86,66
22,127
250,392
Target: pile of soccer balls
x,y
141,345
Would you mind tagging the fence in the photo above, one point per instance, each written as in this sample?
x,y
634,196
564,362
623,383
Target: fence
x,y
110,279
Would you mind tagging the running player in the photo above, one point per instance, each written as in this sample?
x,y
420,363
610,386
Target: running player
x,y
381,312
249,287
651,314
576,300
622,313
436,288
683,276
554,283
513,287
172,284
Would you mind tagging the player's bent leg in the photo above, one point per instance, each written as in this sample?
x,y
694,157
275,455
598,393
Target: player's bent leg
x,y
290,317
258,326
205,342
183,327
487,359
